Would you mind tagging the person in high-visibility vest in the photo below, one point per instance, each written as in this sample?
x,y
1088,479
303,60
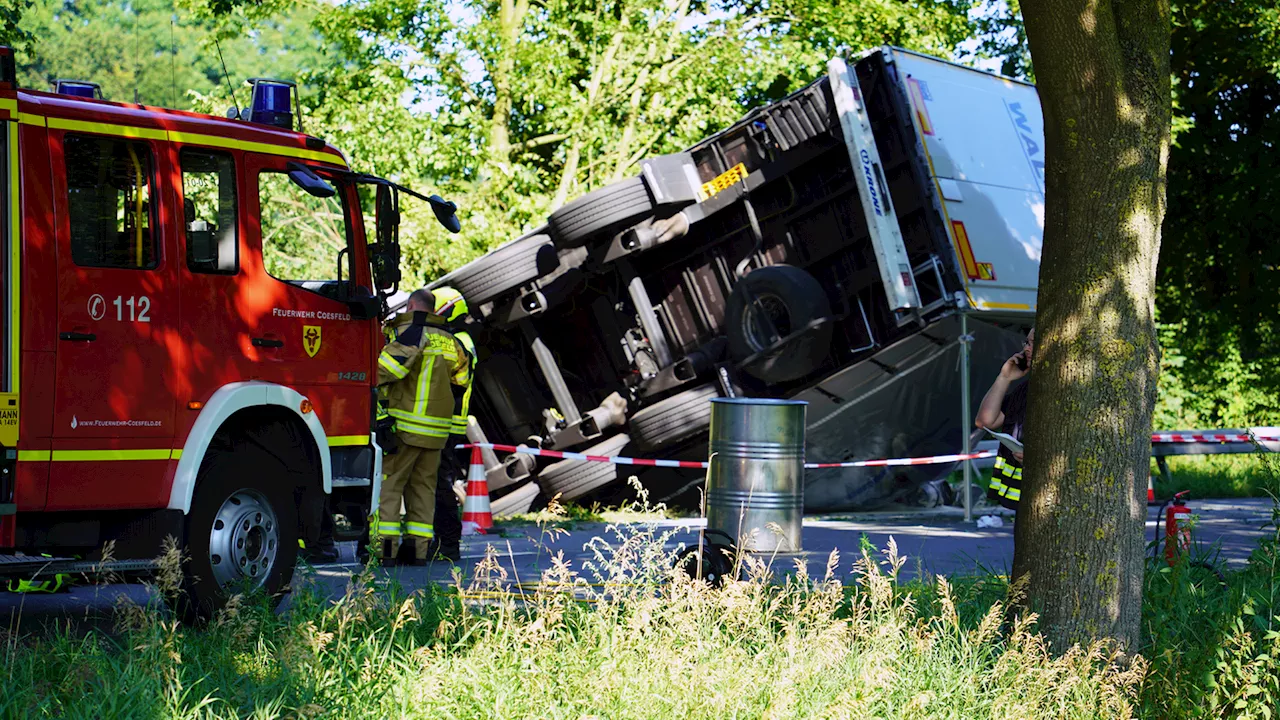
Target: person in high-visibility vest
x,y
1006,411
417,367
447,544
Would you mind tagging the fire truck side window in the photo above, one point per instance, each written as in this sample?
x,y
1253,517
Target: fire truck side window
x,y
301,234
109,188
209,210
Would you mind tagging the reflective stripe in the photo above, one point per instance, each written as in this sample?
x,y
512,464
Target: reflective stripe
x,y
424,420
390,365
387,528
1013,494
348,440
1007,469
221,142
415,429
420,529
423,392
97,455
129,131
459,425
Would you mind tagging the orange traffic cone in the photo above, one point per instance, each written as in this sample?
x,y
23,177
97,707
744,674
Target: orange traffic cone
x,y
476,515
1151,490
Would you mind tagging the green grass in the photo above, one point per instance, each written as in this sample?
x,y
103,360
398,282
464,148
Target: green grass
x,y
1208,476
622,637
1214,476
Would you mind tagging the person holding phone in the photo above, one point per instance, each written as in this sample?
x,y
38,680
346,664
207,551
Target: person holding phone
x,y
1006,411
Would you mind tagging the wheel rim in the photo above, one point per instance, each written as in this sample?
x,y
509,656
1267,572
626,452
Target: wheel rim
x,y
244,540
767,314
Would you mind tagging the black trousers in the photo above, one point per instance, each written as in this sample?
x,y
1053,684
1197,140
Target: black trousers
x,y
448,520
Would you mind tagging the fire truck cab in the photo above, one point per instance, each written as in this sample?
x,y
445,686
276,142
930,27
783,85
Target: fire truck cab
x,y
164,372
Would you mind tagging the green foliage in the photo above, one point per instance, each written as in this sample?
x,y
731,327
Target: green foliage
x,y
1219,282
625,639
12,33
1214,644
153,48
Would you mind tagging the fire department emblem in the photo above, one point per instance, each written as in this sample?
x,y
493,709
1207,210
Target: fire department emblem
x,y
311,339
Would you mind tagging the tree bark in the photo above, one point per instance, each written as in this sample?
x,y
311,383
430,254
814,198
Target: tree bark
x,y
1103,73
511,14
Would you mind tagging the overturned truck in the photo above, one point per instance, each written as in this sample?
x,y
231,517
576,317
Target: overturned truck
x,y
824,248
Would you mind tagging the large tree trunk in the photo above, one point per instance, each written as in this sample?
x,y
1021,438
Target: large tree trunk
x,y
511,14
1103,73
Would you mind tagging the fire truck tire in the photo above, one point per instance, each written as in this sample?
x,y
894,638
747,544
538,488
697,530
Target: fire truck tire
x,y
677,418
791,299
503,269
516,502
571,479
242,531
614,207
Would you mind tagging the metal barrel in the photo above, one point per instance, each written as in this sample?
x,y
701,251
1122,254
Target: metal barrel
x,y
756,477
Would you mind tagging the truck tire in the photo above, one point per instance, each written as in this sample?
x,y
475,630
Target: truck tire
x,y
504,269
614,207
571,479
516,502
242,531
677,418
792,299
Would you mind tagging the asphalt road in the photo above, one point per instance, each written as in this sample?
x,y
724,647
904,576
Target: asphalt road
x,y
933,541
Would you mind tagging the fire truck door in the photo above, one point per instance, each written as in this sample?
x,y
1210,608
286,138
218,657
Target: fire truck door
x,y
117,321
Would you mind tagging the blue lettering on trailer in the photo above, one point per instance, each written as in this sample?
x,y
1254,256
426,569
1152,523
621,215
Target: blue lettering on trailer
x,y
871,181
1030,148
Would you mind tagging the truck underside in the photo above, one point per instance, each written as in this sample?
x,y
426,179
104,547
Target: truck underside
x,y
743,266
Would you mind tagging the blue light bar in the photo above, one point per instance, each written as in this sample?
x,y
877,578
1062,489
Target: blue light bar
x,y
272,103
78,88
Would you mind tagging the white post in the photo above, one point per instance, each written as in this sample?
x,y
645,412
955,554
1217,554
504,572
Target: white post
x,y
965,419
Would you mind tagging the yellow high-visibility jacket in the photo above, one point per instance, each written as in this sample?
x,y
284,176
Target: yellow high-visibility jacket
x,y
462,385
418,368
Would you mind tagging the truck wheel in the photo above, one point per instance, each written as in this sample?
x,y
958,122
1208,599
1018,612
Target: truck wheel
x,y
504,269
242,531
677,418
516,502
788,298
616,206
571,479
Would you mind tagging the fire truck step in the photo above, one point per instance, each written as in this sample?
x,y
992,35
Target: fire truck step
x,y
346,482
32,567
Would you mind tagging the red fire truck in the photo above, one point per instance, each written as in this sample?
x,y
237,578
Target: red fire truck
x,y
162,371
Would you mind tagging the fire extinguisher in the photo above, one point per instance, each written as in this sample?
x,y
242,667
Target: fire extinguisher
x,y
1177,527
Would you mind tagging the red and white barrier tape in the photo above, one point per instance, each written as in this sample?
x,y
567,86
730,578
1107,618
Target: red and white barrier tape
x,y
892,462
618,460
933,460
1211,438
589,458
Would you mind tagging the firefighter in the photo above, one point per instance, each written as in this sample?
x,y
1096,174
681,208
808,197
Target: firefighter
x,y
452,307
1007,411
417,367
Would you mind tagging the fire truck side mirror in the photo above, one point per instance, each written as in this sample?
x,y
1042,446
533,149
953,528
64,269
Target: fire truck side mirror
x,y
313,184
447,213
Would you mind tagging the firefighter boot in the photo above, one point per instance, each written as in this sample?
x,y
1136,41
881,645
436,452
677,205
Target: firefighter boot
x,y
387,550
412,552
439,551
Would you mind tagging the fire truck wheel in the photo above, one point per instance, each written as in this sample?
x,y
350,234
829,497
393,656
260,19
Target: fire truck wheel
x,y
516,502
677,418
242,531
786,299
572,479
504,269
614,207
